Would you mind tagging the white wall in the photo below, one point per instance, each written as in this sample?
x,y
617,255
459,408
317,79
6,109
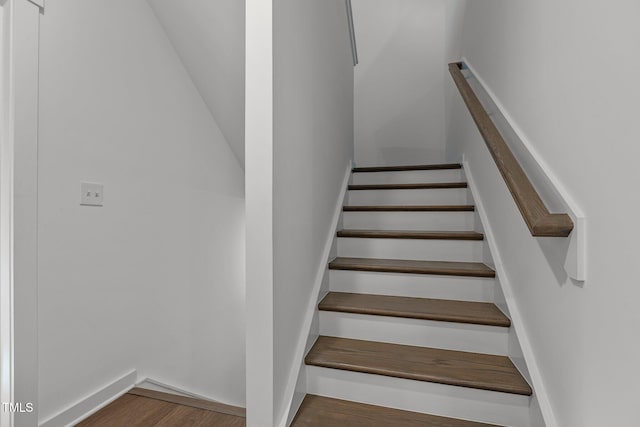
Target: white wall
x,y
454,22
154,280
209,38
399,92
566,74
313,144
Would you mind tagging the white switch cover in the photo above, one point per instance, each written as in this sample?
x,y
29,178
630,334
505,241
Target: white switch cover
x,y
91,194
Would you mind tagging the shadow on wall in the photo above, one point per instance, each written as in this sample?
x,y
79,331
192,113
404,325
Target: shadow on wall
x,y
208,36
399,92
402,123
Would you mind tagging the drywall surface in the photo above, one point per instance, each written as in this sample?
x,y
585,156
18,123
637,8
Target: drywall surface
x,y
313,143
209,38
399,92
564,74
154,279
454,22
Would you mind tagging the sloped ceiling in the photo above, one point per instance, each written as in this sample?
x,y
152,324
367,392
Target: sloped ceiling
x,y
208,35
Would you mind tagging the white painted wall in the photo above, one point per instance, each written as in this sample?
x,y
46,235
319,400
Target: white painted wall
x,y
154,280
313,144
209,38
399,92
564,73
454,21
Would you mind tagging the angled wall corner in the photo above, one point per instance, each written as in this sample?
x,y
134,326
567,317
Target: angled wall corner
x,y
209,38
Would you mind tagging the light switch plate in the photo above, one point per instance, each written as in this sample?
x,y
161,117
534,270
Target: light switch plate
x,y
91,194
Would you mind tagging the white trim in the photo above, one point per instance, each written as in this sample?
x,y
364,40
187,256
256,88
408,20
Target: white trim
x,y
294,372
259,150
6,217
179,389
167,388
352,33
93,402
514,311
18,206
575,264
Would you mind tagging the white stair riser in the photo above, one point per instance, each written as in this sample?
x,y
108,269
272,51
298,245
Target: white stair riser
x,y
434,196
431,221
434,250
413,285
408,177
424,333
420,396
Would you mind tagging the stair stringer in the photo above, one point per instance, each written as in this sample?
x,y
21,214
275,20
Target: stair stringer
x,y
519,348
296,382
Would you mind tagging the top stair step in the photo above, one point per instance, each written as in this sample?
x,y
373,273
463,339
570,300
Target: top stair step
x,y
408,168
411,234
419,186
317,411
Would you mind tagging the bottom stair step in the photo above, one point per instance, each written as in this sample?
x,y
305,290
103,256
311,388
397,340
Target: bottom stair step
x,y
327,412
474,370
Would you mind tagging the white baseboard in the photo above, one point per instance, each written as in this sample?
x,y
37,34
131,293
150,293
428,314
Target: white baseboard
x,y
160,384
151,384
93,402
514,311
311,305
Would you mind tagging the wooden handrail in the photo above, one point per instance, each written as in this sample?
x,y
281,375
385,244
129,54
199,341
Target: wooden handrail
x,y
538,218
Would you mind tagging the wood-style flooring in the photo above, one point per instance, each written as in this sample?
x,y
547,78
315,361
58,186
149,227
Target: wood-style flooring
x,y
147,408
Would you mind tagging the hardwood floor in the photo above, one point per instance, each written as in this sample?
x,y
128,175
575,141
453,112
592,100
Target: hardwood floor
x,y
188,401
146,408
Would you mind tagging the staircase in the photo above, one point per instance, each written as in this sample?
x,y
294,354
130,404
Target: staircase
x,y
409,332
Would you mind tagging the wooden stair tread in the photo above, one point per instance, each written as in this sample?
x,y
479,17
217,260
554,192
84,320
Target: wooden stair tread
x,y
446,268
408,168
479,313
410,234
409,208
457,368
318,411
419,186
